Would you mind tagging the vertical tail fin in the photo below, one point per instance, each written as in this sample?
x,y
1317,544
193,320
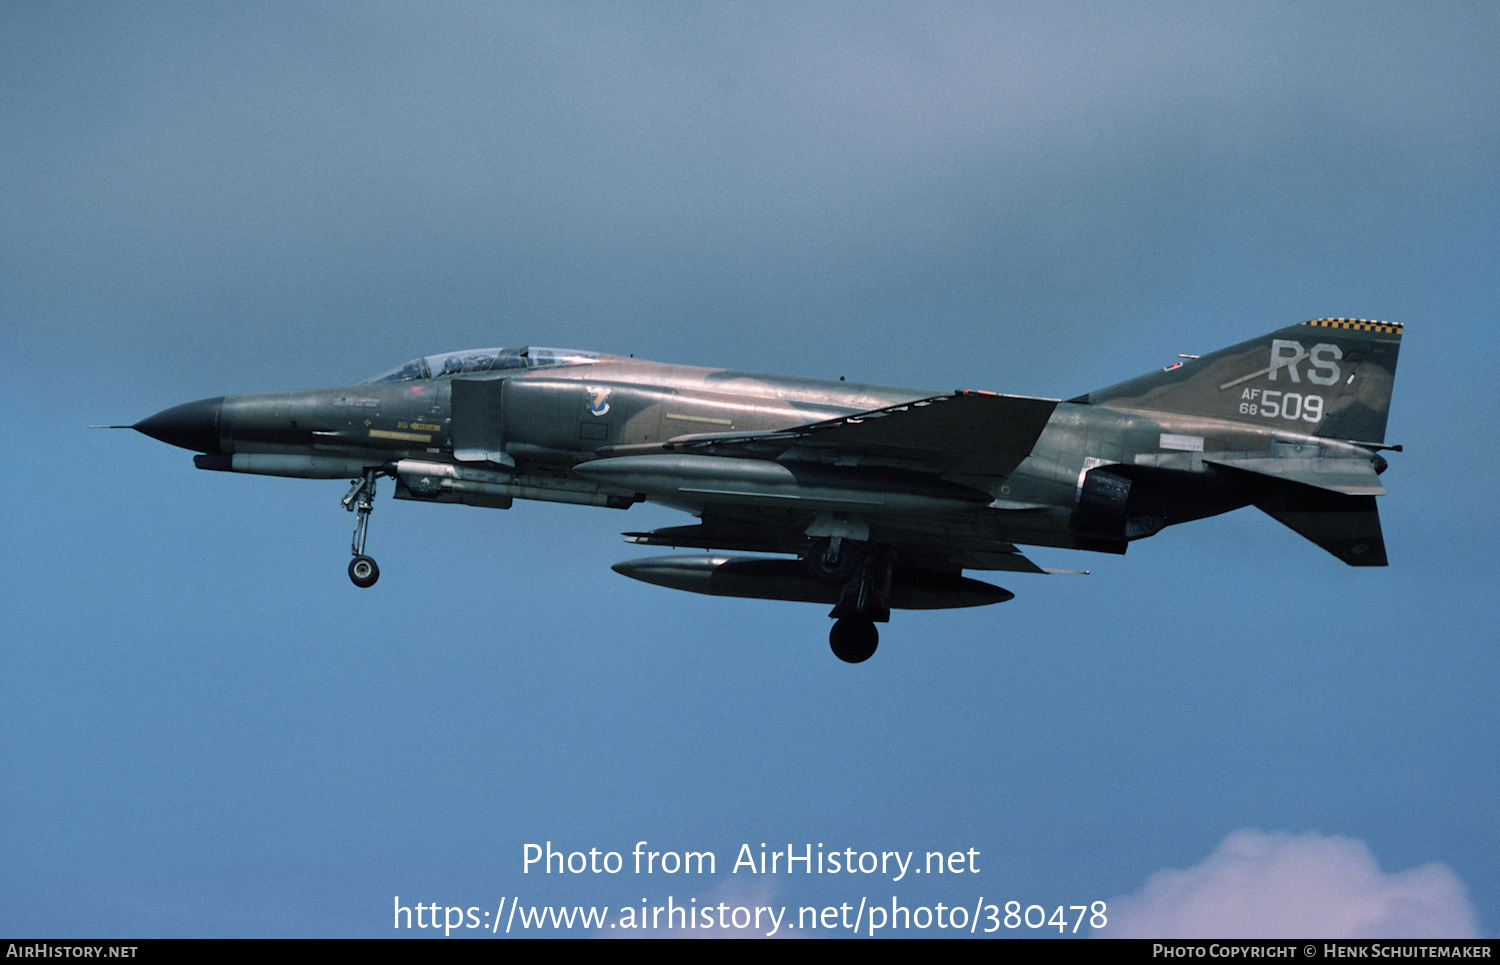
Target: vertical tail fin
x,y
1330,377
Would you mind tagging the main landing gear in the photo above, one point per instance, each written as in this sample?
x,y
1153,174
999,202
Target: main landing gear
x,y
854,639
834,561
361,500
862,605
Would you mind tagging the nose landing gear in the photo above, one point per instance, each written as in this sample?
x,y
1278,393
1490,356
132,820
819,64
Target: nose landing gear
x,y
361,500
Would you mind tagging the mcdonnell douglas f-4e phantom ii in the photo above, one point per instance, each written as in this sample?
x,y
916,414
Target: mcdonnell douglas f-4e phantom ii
x,y
874,497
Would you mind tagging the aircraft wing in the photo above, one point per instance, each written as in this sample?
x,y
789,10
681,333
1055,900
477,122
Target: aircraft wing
x,y
973,438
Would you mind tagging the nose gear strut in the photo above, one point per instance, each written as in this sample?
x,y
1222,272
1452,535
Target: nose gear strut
x,y
361,500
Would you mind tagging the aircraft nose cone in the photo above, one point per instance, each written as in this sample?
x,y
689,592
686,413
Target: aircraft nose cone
x,y
193,425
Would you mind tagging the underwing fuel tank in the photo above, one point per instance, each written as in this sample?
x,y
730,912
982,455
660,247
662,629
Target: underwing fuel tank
x,y
761,482
761,578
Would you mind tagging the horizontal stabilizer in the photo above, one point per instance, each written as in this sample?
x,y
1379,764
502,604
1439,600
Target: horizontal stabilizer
x,y
1346,526
1350,477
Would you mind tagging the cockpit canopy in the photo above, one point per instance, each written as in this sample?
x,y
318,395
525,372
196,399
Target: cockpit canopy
x,y
481,360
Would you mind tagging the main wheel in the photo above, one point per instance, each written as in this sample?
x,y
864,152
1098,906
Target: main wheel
x,y
833,567
363,571
853,640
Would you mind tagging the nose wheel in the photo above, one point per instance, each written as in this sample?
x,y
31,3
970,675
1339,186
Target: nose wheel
x,y
360,500
363,572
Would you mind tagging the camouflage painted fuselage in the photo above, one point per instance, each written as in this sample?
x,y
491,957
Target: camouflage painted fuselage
x,y
1290,422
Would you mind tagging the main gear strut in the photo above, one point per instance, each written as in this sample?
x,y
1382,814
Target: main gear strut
x,y
861,606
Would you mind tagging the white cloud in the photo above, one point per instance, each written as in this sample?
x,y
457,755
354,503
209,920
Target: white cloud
x,y
1280,885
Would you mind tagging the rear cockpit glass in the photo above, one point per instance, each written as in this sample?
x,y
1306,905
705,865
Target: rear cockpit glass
x,y
481,360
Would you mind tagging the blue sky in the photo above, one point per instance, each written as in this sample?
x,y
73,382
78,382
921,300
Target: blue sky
x,y
205,730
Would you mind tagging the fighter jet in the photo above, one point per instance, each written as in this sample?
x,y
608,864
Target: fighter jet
x,y
864,497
